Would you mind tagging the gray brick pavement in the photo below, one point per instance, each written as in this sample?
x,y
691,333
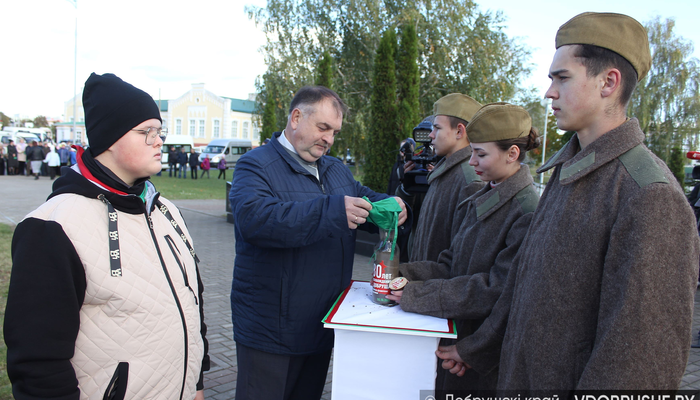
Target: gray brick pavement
x,y
214,243
691,379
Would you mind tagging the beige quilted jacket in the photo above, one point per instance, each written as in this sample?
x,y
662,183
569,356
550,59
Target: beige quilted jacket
x,y
146,318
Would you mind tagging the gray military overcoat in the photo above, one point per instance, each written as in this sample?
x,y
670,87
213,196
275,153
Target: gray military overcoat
x,y
468,277
607,274
451,182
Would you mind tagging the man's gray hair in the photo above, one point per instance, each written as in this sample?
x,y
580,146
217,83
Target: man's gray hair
x,y
306,97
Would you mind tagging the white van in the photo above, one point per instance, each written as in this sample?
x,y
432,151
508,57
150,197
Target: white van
x,y
6,136
29,134
231,149
177,141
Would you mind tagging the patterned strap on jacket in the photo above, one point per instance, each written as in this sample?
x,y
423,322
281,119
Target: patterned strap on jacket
x,y
163,209
115,263
113,231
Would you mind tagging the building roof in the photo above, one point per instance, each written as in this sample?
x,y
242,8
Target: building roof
x,y
81,123
245,106
163,105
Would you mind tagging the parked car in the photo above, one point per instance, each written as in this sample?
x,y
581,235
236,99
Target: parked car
x,y
229,149
6,136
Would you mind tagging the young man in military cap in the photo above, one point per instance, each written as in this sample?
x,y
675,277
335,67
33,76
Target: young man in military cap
x,y
451,181
606,277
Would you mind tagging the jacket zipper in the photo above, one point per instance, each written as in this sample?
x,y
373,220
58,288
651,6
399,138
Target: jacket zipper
x,y
177,301
176,252
318,180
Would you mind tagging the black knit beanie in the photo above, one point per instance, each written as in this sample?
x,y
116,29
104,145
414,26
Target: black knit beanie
x,y
112,108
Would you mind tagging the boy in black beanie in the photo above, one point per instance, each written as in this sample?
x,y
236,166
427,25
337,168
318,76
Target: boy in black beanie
x,y
113,307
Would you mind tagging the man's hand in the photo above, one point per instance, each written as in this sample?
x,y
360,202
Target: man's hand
x,y
408,166
451,360
356,210
395,295
404,214
199,395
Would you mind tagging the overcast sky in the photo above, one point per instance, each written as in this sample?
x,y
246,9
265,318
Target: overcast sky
x,y
164,46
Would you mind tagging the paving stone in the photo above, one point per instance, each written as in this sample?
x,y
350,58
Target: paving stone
x,y
231,394
692,368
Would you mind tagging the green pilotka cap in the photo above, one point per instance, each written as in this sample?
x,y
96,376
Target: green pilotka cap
x,y
619,33
456,105
385,214
499,121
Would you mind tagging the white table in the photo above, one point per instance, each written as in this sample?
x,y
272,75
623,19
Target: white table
x,y
382,352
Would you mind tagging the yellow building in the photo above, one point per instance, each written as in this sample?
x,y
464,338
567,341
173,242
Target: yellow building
x,y
198,113
204,116
64,130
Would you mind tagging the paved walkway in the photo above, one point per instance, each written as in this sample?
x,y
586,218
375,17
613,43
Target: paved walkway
x,y
214,243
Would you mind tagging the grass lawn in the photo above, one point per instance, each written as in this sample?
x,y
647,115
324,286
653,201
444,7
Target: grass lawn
x,y
186,189
5,268
183,189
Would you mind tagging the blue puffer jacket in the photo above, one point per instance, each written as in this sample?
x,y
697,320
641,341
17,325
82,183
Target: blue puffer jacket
x,y
294,250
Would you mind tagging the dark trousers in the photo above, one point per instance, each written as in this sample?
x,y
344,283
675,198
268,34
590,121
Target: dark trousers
x,y
267,376
193,172
203,171
222,172
182,171
172,170
63,164
53,171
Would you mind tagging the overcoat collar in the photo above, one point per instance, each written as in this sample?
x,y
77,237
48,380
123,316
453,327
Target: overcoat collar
x,y
457,158
488,200
576,163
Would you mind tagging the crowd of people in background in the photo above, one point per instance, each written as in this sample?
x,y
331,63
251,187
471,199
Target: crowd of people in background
x,y
178,161
36,158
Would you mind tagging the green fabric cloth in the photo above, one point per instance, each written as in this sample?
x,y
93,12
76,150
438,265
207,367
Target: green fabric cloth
x,y
385,214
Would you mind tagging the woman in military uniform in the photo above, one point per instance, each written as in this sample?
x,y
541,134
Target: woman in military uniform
x,y
468,278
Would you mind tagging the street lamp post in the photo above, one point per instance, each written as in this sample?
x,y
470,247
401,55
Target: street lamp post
x,y
75,73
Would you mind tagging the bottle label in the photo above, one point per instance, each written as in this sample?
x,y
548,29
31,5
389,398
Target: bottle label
x,y
380,282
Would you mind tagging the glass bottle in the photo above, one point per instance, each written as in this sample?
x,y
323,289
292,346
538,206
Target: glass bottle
x,y
385,267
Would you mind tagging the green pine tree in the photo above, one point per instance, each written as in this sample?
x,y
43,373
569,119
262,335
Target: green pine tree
x,y
324,75
676,164
408,82
269,119
383,144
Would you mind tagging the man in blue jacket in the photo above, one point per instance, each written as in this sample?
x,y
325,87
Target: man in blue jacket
x,y
296,212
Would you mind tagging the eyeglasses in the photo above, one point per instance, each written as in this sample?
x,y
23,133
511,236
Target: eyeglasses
x,y
152,134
